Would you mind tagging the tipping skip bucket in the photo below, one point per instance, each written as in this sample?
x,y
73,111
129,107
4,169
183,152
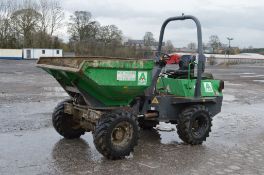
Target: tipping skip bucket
x,y
102,81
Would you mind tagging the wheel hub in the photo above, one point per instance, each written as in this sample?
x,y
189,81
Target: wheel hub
x,y
122,134
199,126
119,134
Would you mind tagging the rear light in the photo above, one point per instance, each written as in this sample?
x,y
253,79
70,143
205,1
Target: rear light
x,y
221,85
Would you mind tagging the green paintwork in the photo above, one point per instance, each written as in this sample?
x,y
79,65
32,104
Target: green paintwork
x,y
116,82
99,78
185,87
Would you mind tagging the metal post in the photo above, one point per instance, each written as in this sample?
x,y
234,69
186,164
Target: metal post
x,y
229,47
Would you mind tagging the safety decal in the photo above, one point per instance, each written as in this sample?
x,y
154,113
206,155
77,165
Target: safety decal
x,y
155,101
142,78
208,87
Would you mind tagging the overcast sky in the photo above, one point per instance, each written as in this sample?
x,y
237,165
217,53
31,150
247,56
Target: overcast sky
x,y
241,19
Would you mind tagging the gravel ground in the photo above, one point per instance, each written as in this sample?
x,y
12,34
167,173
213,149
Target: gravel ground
x,y
29,144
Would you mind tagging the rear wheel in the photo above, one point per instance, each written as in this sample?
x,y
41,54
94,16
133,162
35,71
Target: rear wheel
x,y
194,124
116,134
64,123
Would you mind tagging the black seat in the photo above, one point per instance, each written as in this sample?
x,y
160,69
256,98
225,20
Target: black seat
x,y
182,72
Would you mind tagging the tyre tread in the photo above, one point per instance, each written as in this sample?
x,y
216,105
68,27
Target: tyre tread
x,y
58,120
183,124
101,131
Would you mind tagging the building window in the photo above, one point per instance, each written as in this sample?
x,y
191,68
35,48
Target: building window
x,y
58,52
43,51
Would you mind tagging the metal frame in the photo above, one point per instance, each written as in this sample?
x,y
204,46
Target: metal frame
x,y
169,106
201,57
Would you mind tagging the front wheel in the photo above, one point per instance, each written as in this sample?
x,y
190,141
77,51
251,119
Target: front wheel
x,y
194,124
116,134
64,123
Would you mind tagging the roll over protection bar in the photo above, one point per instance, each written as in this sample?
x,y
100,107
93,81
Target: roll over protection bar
x,y
201,57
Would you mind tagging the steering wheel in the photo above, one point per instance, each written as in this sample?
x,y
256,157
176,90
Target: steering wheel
x,y
165,56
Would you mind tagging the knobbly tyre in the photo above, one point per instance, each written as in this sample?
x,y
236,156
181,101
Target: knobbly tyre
x,y
115,97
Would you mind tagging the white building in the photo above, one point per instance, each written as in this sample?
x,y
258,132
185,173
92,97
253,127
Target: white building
x,y
32,53
12,54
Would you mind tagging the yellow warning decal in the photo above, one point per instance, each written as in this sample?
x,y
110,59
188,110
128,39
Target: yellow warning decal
x,y
155,101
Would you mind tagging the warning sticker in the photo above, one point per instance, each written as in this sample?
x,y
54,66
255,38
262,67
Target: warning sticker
x,y
155,101
142,78
126,75
208,87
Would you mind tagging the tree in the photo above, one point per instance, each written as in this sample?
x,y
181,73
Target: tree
x,y
192,46
82,27
50,21
89,38
148,39
57,43
57,16
7,34
51,16
169,46
214,42
110,34
250,47
25,22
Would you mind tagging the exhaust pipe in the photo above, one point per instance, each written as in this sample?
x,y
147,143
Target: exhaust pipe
x,y
150,115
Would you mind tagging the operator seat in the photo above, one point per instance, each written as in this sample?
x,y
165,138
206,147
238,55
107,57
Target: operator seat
x,y
182,72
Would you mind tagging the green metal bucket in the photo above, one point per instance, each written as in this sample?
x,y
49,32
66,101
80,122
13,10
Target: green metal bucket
x,y
110,81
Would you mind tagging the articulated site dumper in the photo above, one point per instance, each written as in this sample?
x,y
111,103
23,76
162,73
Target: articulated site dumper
x,y
115,97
